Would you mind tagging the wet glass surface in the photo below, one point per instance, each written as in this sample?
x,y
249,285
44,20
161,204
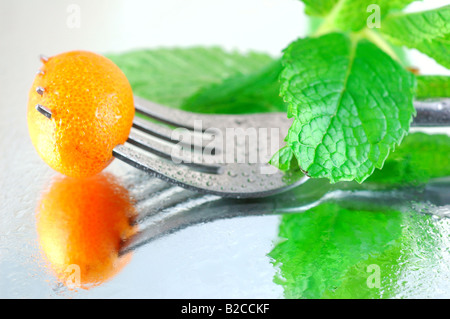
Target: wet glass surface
x,y
315,241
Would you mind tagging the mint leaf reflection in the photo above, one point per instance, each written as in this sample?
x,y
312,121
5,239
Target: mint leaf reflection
x,y
328,243
419,158
327,251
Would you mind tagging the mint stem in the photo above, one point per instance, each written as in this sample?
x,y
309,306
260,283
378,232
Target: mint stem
x,y
375,38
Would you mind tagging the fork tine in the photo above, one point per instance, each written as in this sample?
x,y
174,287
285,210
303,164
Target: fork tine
x,y
181,118
44,111
162,113
168,135
164,169
213,122
167,152
230,181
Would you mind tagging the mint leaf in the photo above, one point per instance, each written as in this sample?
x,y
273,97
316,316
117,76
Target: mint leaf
x,y
243,93
432,86
283,158
351,105
427,31
420,158
352,14
319,7
169,76
327,251
322,246
416,27
355,10
438,49
395,4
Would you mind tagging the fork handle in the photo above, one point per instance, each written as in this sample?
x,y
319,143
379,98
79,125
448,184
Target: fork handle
x,y
432,112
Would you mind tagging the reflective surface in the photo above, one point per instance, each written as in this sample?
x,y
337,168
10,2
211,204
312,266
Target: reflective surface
x,y
225,257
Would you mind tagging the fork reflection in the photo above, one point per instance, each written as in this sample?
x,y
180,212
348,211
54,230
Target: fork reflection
x,y
181,208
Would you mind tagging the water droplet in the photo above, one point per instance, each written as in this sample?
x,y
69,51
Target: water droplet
x,y
232,174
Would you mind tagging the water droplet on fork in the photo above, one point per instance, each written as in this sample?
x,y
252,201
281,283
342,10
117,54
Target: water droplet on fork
x,y
232,174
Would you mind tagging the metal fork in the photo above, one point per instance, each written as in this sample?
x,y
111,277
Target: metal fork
x,y
211,174
225,155
195,151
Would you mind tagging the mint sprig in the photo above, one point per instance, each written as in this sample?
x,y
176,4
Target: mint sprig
x,y
349,95
342,138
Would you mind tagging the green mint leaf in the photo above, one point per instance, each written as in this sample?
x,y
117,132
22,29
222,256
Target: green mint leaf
x,y
427,31
432,86
351,105
319,8
169,76
243,93
320,247
420,158
352,15
283,158
417,27
394,4
438,49
329,251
